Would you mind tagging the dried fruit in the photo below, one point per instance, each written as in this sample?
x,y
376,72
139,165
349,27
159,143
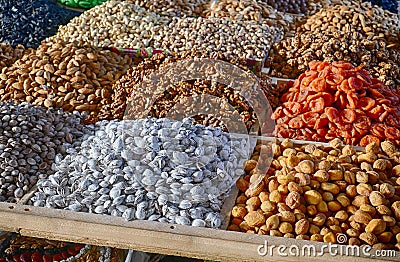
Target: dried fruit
x,y
254,219
354,108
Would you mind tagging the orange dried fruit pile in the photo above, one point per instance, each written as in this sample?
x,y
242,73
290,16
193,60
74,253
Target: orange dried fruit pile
x,y
338,100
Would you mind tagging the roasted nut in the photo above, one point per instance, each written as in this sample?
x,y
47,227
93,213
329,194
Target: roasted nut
x,y
294,187
376,198
293,200
388,147
272,222
364,189
334,206
351,190
239,212
319,219
362,217
369,209
254,219
285,227
312,197
368,238
287,216
381,164
372,148
330,187
368,157
254,202
335,174
343,200
275,196
317,237
396,209
306,166
360,200
387,190
250,165
330,238
376,226
385,237
323,207
341,215
321,176
268,206
302,226
292,160
384,210
312,210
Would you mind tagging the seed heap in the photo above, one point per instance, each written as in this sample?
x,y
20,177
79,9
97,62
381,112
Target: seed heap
x,y
30,139
64,76
390,5
338,101
8,54
114,23
316,193
255,11
362,20
129,89
290,57
233,38
291,6
29,22
174,7
155,169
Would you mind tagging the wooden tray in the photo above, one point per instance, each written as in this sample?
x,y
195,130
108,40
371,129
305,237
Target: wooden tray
x,y
168,239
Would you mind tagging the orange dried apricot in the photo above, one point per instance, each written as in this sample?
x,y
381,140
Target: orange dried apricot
x,y
368,139
332,114
348,115
317,105
355,83
366,103
392,133
318,85
296,122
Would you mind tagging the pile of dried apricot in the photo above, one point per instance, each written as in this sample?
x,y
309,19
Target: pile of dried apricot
x,y
338,100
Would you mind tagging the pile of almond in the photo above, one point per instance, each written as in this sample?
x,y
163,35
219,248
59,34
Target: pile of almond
x,y
319,193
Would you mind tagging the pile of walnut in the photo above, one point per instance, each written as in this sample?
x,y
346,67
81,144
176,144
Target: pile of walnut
x,y
316,193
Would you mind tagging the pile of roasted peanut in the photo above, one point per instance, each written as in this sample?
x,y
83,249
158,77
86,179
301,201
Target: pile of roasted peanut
x,y
315,192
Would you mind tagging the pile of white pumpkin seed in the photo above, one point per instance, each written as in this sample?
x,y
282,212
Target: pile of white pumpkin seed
x,y
153,169
31,138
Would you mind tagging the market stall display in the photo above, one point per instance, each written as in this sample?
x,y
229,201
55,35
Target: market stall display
x,y
362,20
10,54
174,7
114,23
29,22
31,138
255,11
129,88
316,193
109,134
290,57
338,101
155,169
64,76
234,38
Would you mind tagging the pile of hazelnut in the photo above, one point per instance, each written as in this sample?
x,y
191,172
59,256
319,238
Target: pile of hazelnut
x,y
319,193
